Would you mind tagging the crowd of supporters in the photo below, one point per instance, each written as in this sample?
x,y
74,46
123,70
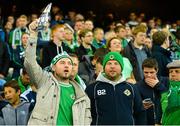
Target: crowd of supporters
x,y
146,46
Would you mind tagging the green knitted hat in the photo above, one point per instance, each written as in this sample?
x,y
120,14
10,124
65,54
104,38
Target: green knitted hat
x,y
113,56
60,56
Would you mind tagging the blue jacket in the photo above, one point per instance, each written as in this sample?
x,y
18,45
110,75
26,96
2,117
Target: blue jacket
x,y
2,35
115,104
29,96
154,113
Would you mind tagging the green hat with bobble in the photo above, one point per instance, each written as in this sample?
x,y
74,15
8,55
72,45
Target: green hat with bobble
x,y
60,56
113,56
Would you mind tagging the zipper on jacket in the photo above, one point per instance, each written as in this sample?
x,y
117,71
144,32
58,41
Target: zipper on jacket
x,y
57,103
114,87
114,97
154,108
16,115
132,107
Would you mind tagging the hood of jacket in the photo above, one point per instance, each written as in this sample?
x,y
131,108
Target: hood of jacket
x,y
101,77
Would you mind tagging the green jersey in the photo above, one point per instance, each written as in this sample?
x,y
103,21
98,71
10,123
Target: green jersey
x,y
67,98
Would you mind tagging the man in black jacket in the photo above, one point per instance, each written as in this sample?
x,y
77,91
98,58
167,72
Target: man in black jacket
x,y
160,51
150,89
54,47
114,101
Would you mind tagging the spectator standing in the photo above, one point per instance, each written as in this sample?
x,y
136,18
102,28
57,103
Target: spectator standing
x,y
160,51
55,46
74,73
151,88
86,47
60,101
136,52
15,35
171,99
114,101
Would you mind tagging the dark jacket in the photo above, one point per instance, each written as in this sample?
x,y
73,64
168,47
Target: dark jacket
x,y
18,57
86,70
82,51
4,58
163,58
29,96
154,113
115,104
50,51
130,54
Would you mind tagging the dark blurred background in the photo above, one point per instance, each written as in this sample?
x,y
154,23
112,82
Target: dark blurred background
x,y
164,9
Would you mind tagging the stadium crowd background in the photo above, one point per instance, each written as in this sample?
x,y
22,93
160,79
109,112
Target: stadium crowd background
x,y
88,30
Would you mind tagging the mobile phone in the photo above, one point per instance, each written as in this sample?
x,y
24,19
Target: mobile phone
x,y
147,100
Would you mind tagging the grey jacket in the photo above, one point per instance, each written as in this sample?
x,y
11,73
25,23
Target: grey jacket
x,y
15,116
47,105
86,70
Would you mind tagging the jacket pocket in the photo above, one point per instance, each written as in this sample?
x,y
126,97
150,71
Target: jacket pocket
x,y
39,118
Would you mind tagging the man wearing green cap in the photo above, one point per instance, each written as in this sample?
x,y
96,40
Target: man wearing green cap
x,y
60,101
113,100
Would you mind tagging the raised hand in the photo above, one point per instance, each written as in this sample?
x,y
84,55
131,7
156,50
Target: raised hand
x,y
33,27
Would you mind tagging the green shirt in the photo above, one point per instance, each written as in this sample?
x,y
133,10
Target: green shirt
x,y
124,43
67,98
127,68
97,44
73,46
89,52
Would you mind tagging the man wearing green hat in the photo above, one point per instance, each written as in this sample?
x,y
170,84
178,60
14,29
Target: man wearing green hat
x,y
60,101
113,100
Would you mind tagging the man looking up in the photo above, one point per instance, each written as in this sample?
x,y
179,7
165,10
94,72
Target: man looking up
x,y
60,101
